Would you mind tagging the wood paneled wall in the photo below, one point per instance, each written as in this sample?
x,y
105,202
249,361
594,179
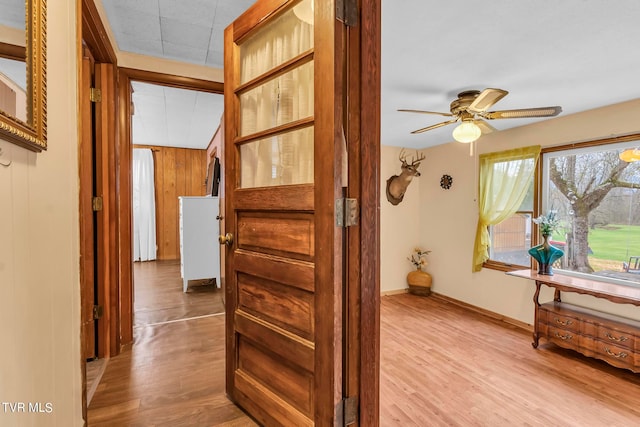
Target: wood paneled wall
x,y
178,172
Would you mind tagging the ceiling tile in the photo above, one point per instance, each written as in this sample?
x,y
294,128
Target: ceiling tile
x,y
133,24
173,31
191,12
146,6
142,46
215,58
184,53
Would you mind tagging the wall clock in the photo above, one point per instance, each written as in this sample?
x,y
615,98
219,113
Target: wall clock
x,y
446,181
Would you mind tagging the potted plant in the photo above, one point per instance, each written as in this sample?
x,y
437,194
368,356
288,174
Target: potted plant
x,y
419,281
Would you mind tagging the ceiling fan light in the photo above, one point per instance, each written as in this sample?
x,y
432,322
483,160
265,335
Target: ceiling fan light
x,y
630,155
466,132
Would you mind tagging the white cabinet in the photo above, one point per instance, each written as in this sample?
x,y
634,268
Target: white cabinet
x,y
199,247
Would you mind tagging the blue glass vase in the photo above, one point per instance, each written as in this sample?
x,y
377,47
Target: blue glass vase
x,y
546,254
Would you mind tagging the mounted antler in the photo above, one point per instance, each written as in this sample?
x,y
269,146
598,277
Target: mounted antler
x,y
397,184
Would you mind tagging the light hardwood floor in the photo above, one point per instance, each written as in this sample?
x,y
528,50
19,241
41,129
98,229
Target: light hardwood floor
x,y
158,295
174,373
441,365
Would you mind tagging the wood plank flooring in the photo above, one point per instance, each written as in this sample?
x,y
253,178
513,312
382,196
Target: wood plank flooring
x,y
174,373
441,365
158,295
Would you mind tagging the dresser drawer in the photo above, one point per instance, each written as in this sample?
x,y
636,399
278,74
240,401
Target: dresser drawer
x,y
615,337
615,355
559,320
562,337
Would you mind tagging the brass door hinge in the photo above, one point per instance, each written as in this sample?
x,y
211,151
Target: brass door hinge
x,y
347,12
350,410
346,212
98,311
95,94
96,203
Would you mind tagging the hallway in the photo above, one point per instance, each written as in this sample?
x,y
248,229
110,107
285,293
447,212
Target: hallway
x,y
174,374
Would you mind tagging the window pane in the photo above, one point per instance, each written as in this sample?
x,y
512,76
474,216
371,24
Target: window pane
x,y
282,100
282,39
511,239
280,160
597,196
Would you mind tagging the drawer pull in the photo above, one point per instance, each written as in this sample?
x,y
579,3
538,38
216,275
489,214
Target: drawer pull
x,y
620,355
563,337
612,338
563,323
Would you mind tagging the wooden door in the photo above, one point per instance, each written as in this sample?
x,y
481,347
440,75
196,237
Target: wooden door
x,y
107,248
87,241
284,99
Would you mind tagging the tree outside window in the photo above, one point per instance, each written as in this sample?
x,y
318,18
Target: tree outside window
x,y
597,197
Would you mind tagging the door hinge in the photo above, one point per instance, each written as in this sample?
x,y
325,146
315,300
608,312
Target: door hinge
x,y
98,311
96,203
347,12
346,212
95,94
350,410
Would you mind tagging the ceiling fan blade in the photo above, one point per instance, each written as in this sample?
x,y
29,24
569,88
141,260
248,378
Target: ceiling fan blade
x,y
523,113
486,99
436,126
484,126
426,112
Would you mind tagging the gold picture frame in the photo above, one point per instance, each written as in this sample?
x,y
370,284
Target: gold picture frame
x,y
32,134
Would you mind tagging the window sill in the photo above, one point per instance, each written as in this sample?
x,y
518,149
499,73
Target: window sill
x,y
500,266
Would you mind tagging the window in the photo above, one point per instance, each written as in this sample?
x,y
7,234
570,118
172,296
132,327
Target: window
x,y
511,238
597,197
505,180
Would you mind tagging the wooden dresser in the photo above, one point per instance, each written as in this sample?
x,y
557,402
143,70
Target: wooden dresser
x,y
608,337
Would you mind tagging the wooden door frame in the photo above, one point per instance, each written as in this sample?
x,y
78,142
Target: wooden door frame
x,y
363,263
87,254
92,33
125,184
364,286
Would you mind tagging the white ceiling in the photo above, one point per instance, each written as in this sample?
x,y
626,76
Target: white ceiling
x,y
579,54
184,30
172,117
188,31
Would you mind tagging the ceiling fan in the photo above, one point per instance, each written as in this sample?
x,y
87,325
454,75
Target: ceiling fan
x,y
471,107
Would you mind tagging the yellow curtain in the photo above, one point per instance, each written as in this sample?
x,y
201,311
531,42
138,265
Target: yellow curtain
x,y
504,181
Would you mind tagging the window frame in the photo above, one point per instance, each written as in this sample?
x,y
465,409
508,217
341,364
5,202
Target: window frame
x,y
504,266
628,141
539,205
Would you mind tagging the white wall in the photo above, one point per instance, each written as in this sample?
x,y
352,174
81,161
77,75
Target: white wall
x,y
446,219
39,271
399,225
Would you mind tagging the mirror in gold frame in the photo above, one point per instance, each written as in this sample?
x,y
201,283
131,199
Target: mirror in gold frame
x,y
32,133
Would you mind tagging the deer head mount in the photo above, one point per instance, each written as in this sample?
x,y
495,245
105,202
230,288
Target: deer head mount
x,y
397,184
